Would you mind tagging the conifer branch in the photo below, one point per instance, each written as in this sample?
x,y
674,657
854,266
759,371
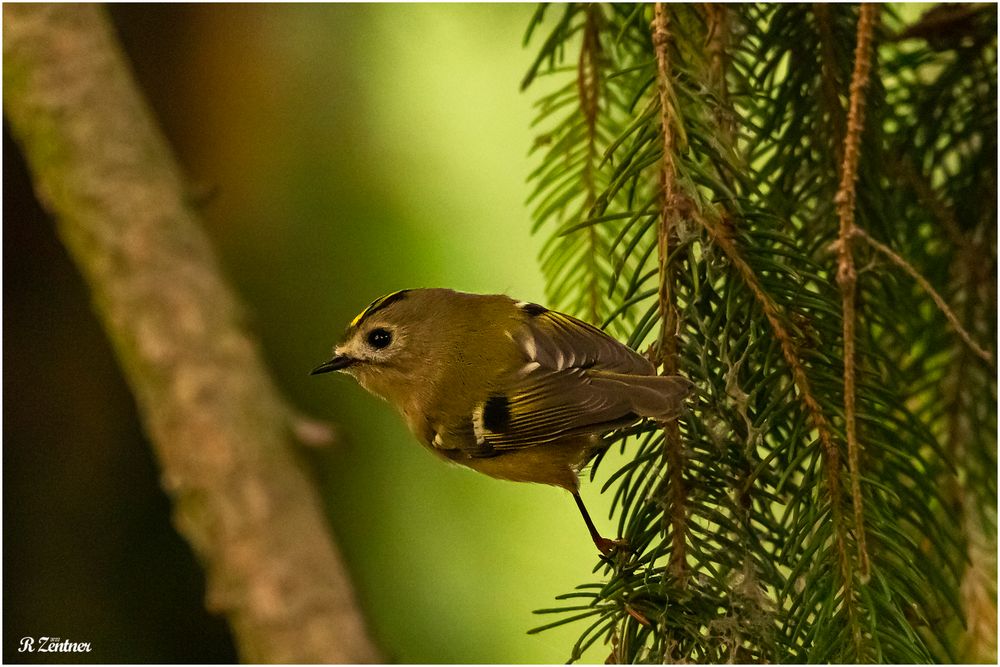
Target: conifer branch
x,y
942,305
847,276
718,37
774,569
667,345
829,74
588,81
817,417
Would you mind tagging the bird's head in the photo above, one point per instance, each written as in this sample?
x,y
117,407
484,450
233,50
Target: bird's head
x,y
390,347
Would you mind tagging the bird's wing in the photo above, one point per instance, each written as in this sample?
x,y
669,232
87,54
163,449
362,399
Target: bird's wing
x,y
546,406
575,379
557,341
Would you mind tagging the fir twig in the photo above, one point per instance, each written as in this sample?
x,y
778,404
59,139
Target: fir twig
x,y
847,276
942,305
717,43
790,352
723,134
589,86
667,346
831,92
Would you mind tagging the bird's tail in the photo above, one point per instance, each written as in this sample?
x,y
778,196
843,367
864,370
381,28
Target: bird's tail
x,y
658,397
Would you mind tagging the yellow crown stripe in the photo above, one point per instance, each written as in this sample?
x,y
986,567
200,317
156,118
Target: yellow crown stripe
x,y
375,305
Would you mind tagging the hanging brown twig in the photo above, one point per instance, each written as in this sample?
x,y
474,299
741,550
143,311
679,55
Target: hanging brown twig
x,y
667,345
847,276
717,42
949,314
790,352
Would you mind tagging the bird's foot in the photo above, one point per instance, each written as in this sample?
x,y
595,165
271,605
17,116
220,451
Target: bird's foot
x,y
609,547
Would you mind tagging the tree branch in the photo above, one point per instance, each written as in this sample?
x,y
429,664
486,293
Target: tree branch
x,y
939,301
828,61
847,276
667,347
790,351
588,82
221,431
717,42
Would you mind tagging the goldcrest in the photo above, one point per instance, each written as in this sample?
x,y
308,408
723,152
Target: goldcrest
x,y
508,388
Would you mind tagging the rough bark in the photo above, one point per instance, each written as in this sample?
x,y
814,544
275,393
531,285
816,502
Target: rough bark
x,y
223,435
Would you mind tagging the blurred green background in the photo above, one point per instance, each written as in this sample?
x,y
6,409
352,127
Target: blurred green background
x,y
337,152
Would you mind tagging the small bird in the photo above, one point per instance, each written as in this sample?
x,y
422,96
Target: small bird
x,y
508,388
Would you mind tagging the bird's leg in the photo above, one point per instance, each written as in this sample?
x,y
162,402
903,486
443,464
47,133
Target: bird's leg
x,y
605,545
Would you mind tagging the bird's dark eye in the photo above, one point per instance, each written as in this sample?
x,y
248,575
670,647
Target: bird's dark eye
x,y
379,338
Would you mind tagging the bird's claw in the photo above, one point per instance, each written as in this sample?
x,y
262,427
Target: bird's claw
x,y
609,547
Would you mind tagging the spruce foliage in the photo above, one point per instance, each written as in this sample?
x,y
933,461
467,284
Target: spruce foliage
x,y
794,206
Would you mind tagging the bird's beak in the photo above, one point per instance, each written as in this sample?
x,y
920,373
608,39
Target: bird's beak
x,y
338,363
